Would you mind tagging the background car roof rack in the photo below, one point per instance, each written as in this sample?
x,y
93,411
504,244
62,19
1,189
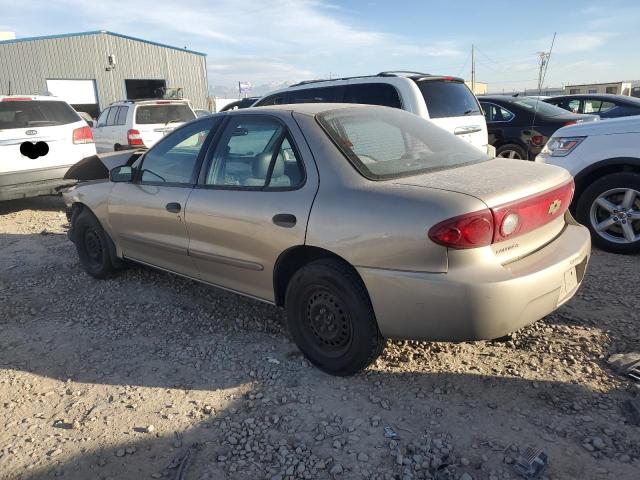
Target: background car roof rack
x,y
402,73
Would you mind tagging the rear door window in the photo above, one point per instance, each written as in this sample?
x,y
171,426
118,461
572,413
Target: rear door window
x,y
446,98
496,113
121,116
373,94
317,95
32,113
111,118
102,119
164,113
277,99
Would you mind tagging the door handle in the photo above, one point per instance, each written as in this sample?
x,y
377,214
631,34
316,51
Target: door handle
x,y
285,220
173,207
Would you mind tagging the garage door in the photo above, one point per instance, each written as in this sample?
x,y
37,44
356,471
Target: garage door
x,y
80,94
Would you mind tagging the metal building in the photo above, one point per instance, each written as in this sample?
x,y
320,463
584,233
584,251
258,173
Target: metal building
x,y
90,70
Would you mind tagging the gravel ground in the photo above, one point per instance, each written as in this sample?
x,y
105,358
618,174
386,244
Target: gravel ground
x,y
152,376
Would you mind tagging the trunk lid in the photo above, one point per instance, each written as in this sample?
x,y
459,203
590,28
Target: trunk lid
x,y
500,184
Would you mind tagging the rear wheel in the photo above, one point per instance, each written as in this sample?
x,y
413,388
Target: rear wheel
x,y
610,208
511,150
331,319
93,246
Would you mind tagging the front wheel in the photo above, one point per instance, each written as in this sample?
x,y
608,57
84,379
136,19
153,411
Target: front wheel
x,y
610,208
331,319
92,244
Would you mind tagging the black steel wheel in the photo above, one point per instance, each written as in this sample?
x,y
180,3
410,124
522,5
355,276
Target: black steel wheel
x,y
331,318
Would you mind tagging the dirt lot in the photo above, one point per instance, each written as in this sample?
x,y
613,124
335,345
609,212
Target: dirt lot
x,y
124,378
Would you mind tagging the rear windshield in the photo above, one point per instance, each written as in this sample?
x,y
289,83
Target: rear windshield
x,y
32,113
171,113
448,98
543,108
388,143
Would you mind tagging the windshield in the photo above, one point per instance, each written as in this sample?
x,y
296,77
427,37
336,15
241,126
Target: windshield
x,y
543,108
31,113
167,113
388,143
445,98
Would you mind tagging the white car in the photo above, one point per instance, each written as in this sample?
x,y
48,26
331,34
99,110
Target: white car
x,y
604,158
139,124
40,138
445,100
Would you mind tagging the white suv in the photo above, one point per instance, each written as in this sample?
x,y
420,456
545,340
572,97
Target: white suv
x,y
40,138
446,101
139,124
604,158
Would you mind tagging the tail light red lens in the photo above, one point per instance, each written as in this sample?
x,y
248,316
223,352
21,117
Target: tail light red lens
x,y
479,229
83,135
537,140
572,122
134,138
471,230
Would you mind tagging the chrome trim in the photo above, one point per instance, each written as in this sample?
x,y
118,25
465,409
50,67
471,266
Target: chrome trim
x,y
467,130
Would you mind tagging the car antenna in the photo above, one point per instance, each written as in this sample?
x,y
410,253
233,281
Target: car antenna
x,y
544,64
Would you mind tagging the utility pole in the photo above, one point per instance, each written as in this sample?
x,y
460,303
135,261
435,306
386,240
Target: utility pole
x,y
473,69
544,58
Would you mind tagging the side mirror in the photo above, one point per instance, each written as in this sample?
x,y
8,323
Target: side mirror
x,y
121,174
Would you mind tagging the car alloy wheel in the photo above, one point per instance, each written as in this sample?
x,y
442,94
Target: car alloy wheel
x,y
615,215
330,329
510,154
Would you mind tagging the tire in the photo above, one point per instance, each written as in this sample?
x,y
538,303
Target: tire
x,y
93,245
512,151
615,222
331,319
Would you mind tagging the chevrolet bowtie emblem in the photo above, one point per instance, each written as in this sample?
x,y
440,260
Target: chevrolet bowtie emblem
x,y
554,207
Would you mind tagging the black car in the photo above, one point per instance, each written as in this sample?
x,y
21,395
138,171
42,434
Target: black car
x,y
520,126
242,103
605,105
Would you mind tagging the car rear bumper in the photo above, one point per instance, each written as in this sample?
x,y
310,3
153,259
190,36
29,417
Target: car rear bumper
x,y
472,304
32,183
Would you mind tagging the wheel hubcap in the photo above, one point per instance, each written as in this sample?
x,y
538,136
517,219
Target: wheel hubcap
x,y
615,215
328,322
93,245
510,154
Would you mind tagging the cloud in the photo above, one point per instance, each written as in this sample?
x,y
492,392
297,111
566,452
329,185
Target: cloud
x,y
256,40
580,42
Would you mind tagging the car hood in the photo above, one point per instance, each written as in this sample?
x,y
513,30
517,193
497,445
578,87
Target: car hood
x,y
604,127
97,167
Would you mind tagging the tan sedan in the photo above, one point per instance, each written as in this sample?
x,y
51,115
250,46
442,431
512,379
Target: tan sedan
x,y
363,222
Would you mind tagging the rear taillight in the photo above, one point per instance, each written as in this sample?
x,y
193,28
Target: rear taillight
x,y
537,140
82,135
134,138
479,229
571,122
465,231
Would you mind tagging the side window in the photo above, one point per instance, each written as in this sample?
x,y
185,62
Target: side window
x,y
252,153
505,114
102,119
173,159
111,118
373,94
573,106
592,106
495,113
121,117
317,95
606,106
488,111
277,99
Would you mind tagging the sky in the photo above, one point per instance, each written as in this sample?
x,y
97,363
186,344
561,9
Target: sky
x,y
268,42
